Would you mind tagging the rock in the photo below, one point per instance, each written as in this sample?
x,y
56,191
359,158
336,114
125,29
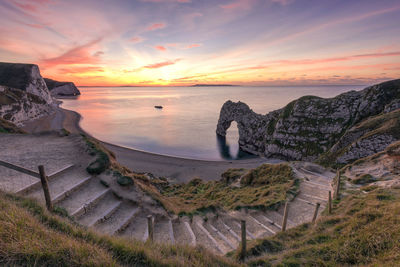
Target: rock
x,y
18,106
58,89
25,77
310,126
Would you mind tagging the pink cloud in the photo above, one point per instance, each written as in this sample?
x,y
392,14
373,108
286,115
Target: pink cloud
x,y
76,55
161,64
193,46
156,26
239,4
30,5
160,48
136,39
167,1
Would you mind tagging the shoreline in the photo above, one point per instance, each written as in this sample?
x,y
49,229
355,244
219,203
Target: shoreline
x,y
176,169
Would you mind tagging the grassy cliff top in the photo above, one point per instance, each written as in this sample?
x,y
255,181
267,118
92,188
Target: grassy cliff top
x,y
266,186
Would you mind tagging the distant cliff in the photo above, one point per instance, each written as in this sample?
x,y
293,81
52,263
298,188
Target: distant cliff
x,y
58,89
339,129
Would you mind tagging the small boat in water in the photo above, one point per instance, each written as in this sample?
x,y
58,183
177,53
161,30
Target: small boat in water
x,y
159,107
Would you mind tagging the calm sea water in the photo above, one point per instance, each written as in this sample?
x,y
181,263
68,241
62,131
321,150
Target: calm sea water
x,y
185,127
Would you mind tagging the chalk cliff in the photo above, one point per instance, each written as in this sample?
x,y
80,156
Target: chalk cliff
x,y
25,77
58,89
341,129
23,93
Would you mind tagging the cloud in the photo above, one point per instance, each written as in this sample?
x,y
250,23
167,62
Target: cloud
x,y
238,4
193,46
136,39
30,5
80,70
76,55
282,2
160,48
167,1
156,26
162,64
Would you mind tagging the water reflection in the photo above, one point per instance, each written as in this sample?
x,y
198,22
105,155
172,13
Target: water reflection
x,y
225,150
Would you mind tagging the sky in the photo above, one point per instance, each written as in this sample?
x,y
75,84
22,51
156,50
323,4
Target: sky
x,y
184,42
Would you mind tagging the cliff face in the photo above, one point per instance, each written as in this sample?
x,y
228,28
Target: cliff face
x,y
58,89
18,106
311,126
25,77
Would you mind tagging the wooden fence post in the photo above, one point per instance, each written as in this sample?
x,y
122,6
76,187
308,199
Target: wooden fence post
x,y
45,186
150,227
337,192
243,248
315,213
285,216
330,203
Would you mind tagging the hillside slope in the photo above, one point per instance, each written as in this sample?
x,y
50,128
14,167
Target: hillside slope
x,y
31,236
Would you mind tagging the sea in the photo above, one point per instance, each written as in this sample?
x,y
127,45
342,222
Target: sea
x,y
185,126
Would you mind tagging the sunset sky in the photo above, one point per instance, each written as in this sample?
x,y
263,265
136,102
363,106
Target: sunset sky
x,y
181,42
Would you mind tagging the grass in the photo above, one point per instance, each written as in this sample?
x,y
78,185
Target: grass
x,y
30,236
364,229
265,187
102,161
8,127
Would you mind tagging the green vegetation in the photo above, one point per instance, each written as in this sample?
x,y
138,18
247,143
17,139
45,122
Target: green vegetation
x,y
102,161
8,127
30,236
363,230
364,179
265,187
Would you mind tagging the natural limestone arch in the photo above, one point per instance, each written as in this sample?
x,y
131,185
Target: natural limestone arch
x,y
251,125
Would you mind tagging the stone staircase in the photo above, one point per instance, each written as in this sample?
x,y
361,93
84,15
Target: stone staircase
x,y
94,205
91,203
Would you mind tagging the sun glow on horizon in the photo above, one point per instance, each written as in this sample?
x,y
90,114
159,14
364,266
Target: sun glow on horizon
x,y
242,42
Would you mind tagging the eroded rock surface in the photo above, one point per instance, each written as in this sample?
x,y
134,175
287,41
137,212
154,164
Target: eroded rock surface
x,y
309,126
25,77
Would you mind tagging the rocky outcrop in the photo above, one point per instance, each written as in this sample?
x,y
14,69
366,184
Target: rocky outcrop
x,y
18,106
59,89
310,126
25,77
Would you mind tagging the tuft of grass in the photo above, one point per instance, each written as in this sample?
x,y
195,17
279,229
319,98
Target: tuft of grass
x,y
102,161
266,187
29,236
8,127
364,179
363,230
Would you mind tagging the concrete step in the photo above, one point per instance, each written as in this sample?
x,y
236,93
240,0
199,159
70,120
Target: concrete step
x,y
299,212
314,191
119,220
234,224
218,235
257,229
311,200
231,235
74,187
163,230
66,173
278,219
203,237
82,200
318,185
137,229
270,224
102,211
183,232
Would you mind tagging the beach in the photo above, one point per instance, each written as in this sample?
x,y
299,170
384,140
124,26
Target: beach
x,y
174,168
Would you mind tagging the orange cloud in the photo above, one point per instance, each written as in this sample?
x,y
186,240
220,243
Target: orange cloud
x,y
80,70
192,46
161,64
77,55
156,26
160,48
